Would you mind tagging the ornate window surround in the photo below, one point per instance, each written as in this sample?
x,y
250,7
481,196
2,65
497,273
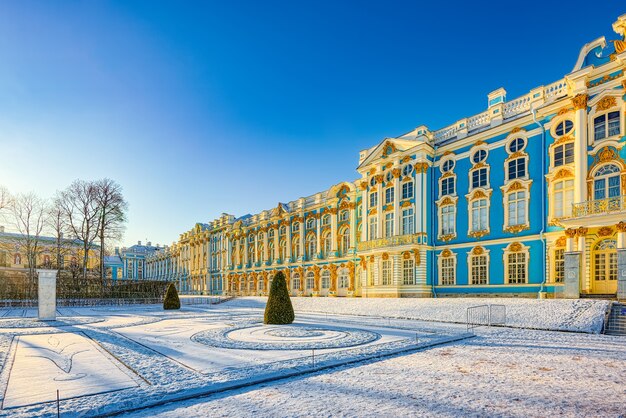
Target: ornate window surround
x,y
477,194
477,251
515,247
447,254
441,203
606,155
511,187
604,103
558,244
559,140
563,173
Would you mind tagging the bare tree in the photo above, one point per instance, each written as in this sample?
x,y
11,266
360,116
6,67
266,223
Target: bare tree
x,y
29,216
57,224
79,205
5,198
112,215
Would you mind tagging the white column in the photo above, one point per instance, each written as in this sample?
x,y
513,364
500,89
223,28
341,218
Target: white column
x,y
256,248
353,230
288,240
245,249
364,217
396,202
580,147
302,232
276,244
333,232
266,244
379,209
318,234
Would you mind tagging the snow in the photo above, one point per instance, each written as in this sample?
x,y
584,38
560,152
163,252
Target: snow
x,y
512,373
170,356
549,314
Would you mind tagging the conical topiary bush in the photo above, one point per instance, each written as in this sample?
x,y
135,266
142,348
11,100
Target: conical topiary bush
x,y
279,309
171,300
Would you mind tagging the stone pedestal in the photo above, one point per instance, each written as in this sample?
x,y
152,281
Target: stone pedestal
x,y
621,274
47,295
571,288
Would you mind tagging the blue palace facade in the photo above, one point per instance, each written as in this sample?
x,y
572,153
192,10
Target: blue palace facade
x,y
527,198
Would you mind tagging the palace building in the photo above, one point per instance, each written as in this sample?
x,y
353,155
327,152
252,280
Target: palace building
x,y
526,198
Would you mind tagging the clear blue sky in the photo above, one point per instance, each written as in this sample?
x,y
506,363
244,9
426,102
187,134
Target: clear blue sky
x,y
199,108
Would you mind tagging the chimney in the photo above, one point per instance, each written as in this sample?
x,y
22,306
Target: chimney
x,y
1,228
138,242
117,250
149,243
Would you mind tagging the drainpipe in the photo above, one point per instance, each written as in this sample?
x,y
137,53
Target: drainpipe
x,y
543,199
433,262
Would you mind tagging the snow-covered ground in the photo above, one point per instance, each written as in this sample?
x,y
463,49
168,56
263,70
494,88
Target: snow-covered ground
x,y
506,373
581,315
168,356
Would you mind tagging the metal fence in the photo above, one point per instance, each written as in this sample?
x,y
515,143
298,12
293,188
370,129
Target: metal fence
x,y
18,288
485,315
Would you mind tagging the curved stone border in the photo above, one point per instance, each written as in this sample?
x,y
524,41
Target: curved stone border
x,y
284,337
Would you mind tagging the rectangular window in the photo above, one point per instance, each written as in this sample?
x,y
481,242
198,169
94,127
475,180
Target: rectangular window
x,y
389,192
563,198
408,272
447,186
325,282
407,221
559,265
517,208
600,124
373,199
479,178
479,269
447,220
407,190
564,154
517,268
479,215
386,273
373,227
389,224
447,271
517,168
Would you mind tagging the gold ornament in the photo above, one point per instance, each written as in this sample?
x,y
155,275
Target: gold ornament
x,y
605,231
478,250
515,247
605,103
580,101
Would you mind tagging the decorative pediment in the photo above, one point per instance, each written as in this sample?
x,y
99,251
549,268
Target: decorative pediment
x,y
279,210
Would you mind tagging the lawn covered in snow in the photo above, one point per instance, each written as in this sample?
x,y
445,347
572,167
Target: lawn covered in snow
x,y
504,373
582,315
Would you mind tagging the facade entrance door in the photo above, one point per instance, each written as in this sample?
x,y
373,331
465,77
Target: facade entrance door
x,y
604,279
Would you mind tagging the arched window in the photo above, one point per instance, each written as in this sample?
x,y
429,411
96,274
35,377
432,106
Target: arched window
x,y
310,280
282,230
270,234
325,279
295,247
270,253
344,215
295,227
343,279
407,170
310,245
296,281
310,223
447,165
606,182
326,244
283,250
344,240
326,220
250,254
260,254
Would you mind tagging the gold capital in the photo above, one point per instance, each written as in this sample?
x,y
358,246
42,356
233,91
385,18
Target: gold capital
x,y
580,101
